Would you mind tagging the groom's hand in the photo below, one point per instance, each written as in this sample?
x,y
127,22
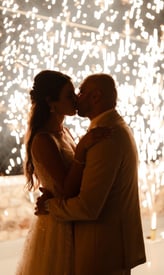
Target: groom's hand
x,y
41,207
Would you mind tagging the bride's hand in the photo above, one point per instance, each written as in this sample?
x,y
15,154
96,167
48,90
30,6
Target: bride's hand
x,y
89,139
94,136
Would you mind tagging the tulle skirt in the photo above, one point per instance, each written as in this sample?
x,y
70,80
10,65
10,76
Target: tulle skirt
x,y
48,248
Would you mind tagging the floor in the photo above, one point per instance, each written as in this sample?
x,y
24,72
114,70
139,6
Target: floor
x,y
16,208
10,251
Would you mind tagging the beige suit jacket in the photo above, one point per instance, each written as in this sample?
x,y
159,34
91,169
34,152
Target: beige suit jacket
x,y
106,214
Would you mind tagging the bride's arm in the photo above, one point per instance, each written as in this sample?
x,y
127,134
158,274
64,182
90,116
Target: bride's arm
x,y
52,169
72,181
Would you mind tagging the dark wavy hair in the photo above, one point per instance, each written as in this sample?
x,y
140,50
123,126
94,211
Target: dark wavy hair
x,y
47,85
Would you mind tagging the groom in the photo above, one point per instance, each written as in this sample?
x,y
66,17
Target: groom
x,y
106,213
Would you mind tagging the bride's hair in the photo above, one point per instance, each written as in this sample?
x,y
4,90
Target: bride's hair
x,y
47,86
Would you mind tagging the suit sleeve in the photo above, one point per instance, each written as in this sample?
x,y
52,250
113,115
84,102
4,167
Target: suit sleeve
x,y
102,164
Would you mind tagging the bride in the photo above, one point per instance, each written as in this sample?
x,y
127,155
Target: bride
x,y
54,162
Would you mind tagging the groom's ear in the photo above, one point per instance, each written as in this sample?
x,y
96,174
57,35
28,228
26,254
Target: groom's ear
x,y
97,95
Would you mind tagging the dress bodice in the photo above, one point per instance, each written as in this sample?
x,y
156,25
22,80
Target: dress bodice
x,y
66,147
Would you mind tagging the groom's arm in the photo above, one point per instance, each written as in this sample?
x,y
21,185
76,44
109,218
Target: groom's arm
x,y
102,164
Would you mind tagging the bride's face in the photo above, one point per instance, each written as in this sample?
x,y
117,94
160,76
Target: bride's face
x,y
67,103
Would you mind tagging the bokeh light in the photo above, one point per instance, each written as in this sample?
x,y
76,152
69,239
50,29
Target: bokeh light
x,y
79,37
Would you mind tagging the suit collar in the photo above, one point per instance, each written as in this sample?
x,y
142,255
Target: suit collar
x,y
109,117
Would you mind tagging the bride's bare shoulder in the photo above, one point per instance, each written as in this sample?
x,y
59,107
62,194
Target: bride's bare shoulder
x,y
43,144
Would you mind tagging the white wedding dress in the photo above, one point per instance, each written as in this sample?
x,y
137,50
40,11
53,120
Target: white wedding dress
x,y
48,248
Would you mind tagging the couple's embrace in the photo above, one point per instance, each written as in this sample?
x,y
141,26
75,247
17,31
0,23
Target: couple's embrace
x,y
88,218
